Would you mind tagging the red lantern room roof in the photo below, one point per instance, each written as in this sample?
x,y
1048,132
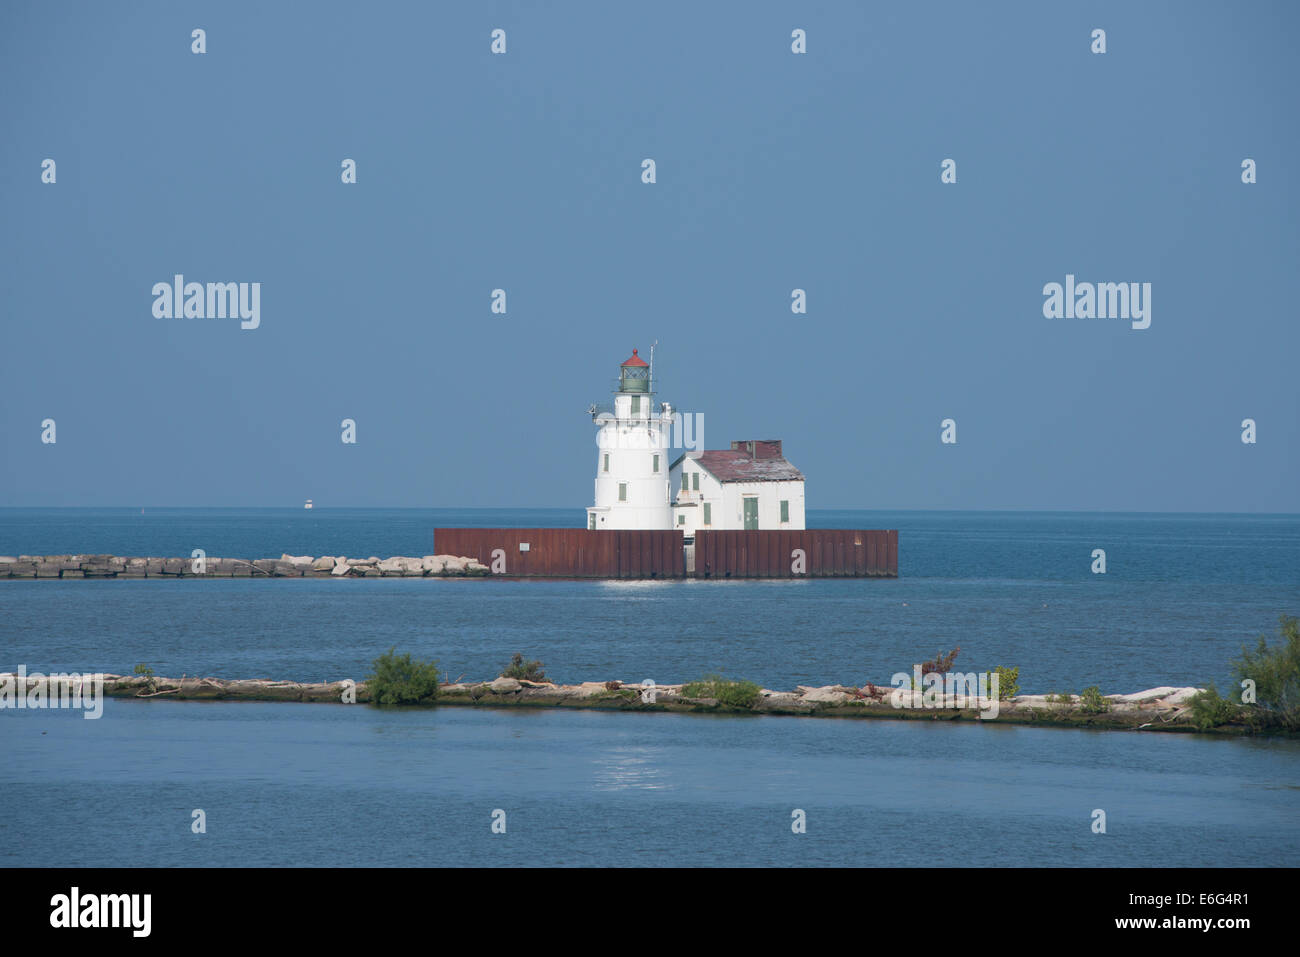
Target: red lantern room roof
x,y
636,360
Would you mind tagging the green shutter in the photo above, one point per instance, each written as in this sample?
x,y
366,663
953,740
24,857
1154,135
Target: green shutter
x,y
606,461
656,463
785,510
708,514
695,481
622,491
636,405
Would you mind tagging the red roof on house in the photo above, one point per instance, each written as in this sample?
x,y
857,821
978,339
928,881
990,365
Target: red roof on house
x,y
738,465
635,360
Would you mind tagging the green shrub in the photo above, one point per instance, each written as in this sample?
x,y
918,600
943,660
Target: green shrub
x,y
1062,698
1275,672
525,670
399,680
1008,682
1210,709
733,694
149,683
1091,701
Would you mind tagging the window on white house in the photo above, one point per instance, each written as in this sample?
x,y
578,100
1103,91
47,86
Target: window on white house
x,y
785,510
622,491
681,519
636,405
695,481
708,514
606,461
656,463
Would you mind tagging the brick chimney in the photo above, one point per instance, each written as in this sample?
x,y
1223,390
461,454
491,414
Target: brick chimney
x,y
758,448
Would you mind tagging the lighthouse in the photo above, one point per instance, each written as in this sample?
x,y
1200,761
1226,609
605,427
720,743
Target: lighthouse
x,y
632,454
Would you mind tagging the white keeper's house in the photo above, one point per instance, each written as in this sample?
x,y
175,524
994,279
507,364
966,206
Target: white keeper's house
x,y
749,486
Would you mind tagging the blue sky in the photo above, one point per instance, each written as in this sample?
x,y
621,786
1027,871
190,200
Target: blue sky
x,y
775,171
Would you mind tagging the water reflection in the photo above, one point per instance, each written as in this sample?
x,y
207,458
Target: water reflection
x,y
632,769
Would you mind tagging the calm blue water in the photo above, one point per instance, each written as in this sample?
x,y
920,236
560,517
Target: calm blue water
x,y
333,785
330,784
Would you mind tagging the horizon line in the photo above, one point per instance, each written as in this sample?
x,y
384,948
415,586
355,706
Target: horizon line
x,y
580,509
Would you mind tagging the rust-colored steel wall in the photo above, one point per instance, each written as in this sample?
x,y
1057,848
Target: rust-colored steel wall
x,y
828,553
570,552
584,553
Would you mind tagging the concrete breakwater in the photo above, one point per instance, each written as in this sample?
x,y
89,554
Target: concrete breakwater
x,y
204,566
1156,709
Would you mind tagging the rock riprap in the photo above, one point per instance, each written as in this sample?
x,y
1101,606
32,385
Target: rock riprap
x,y
286,566
1157,709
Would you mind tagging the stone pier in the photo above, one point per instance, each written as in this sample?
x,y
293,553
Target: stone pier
x,y
286,566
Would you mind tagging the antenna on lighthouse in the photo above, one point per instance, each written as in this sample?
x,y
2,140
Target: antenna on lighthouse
x,y
652,364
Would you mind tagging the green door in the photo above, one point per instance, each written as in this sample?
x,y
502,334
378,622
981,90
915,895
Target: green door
x,y
751,514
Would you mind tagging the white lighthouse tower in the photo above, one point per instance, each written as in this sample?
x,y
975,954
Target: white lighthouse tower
x,y
632,462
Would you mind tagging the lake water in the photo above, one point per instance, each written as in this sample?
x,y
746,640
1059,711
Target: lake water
x,y
327,784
